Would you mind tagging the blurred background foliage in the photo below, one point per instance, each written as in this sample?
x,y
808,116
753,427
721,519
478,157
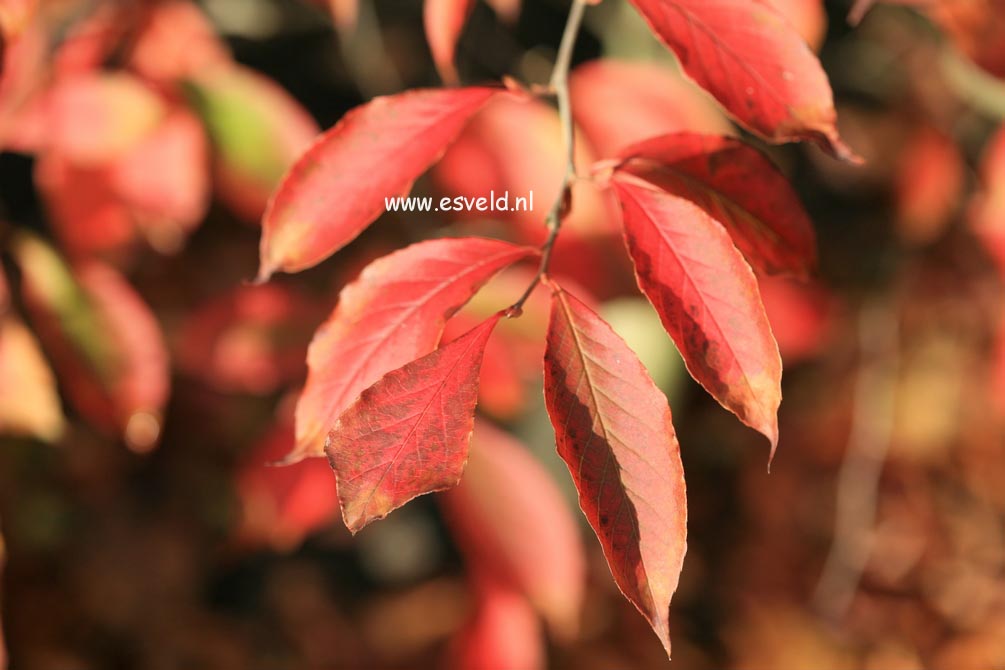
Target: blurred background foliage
x,y
145,384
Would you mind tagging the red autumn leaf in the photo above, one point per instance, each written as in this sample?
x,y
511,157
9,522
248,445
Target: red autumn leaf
x,y
394,313
408,434
444,20
618,103
103,340
503,633
747,55
738,187
707,297
337,188
509,519
614,431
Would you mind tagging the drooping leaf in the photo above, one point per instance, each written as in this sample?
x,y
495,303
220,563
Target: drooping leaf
x,y
337,188
444,20
747,55
707,297
509,519
618,103
614,431
394,313
408,433
737,186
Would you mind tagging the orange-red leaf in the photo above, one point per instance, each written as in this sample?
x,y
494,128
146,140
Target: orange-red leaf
x,y
394,313
444,20
738,187
408,434
509,519
614,431
707,297
337,188
747,55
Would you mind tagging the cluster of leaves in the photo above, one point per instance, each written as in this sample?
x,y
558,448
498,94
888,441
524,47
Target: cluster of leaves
x,y
396,370
700,213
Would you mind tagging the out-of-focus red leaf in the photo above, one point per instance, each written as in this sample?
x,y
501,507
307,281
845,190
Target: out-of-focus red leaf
x,y
165,180
104,342
95,117
258,131
707,297
408,433
747,55
337,188
987,212
157,188
142,376
510,520
444,20
615,432
251,340
281,506
392,314
738,187
808,17
618,103
503,633
86,213
928,186
176,42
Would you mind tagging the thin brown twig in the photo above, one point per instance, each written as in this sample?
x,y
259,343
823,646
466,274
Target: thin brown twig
x,y
559,87
868,443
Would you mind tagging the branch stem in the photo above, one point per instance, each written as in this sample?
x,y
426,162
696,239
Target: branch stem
x,y
559,87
